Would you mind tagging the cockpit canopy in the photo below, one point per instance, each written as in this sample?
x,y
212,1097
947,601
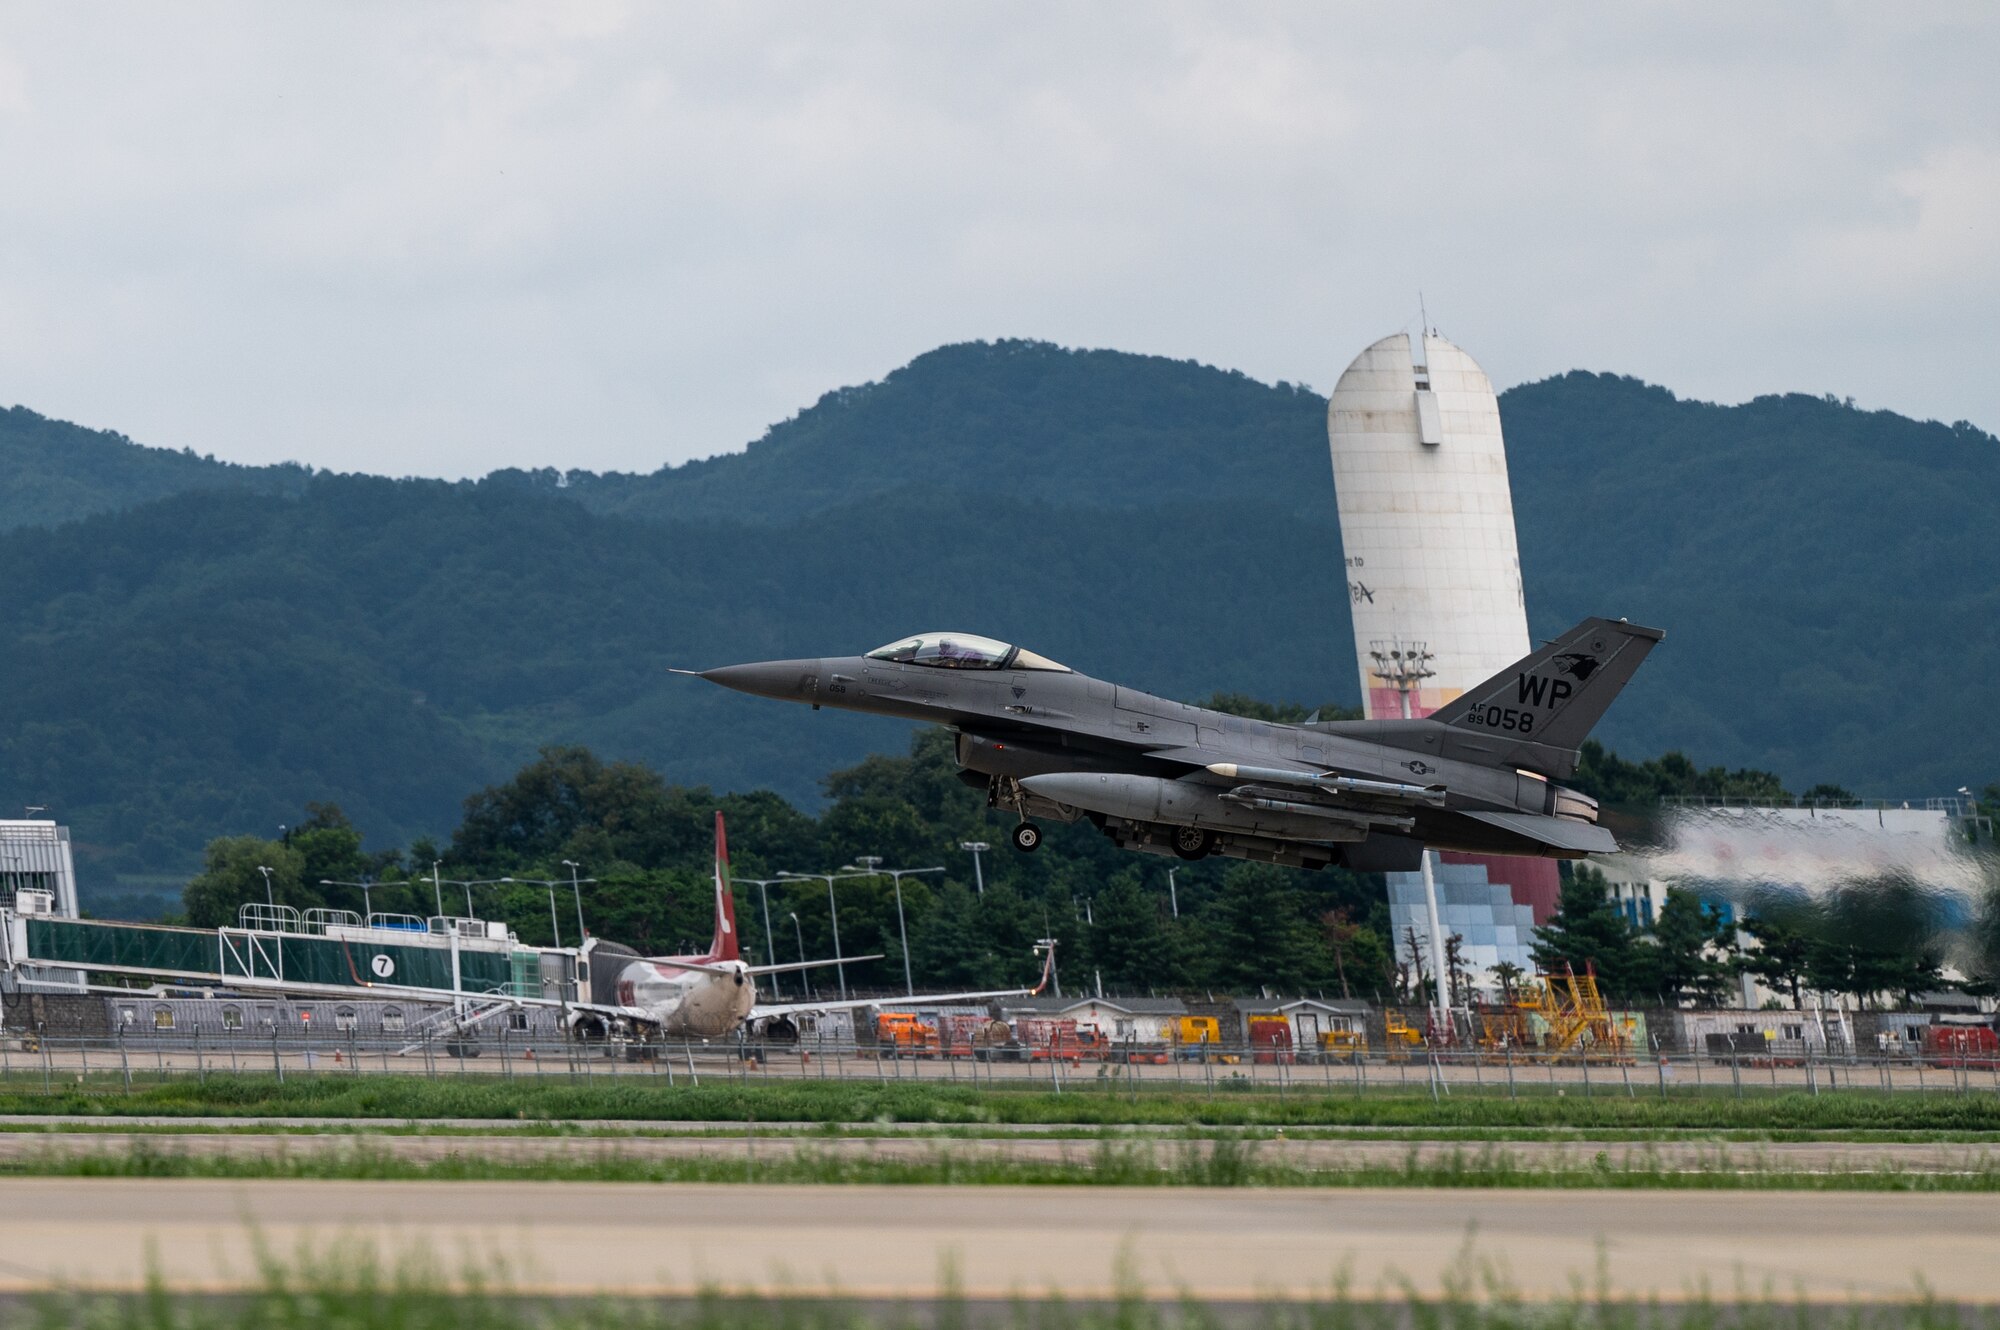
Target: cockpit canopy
x,y
963,651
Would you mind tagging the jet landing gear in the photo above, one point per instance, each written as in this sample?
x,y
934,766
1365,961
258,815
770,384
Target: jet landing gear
x,y
1193,842
1027,838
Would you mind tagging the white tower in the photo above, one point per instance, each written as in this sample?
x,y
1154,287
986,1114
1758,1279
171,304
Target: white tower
x,y
1426,519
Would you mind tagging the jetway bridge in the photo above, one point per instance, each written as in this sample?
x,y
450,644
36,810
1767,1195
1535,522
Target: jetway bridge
x,y
275,948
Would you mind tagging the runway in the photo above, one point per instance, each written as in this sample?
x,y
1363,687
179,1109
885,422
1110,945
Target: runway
x,y
898,1242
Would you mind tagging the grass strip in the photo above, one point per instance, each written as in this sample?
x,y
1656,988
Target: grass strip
x,y
584,1129
644,1100
1122,1163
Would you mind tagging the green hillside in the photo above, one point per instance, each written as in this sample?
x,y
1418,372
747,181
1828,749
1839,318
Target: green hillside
x,y
1826,575
216,646
52,471
1097,429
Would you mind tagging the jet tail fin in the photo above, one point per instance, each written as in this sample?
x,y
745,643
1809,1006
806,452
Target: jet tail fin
x,y
724,947
1554,696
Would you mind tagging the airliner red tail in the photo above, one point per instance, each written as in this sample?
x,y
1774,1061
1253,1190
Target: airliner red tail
x,y
724,947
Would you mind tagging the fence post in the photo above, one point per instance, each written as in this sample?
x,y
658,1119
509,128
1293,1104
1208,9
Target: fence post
x,y
124,1062
48,1070
200,1067
276,1065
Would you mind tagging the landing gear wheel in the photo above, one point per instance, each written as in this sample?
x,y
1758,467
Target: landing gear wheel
x,y
1193,842
1027,838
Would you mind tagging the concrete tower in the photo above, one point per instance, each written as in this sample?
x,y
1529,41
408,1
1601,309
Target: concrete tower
x,y
1434,578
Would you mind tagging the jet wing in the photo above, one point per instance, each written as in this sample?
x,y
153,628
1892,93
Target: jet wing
x,y
703,967
854,1004
789,966
1561,832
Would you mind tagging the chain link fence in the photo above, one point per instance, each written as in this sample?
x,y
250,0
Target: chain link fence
x,y
34,1062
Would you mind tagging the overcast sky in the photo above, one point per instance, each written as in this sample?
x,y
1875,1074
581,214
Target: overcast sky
x,y
440,239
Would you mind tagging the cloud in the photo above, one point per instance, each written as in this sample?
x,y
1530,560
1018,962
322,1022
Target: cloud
x,y
443,239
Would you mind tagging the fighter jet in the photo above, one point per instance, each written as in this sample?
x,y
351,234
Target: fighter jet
x,y
1480,774
712,995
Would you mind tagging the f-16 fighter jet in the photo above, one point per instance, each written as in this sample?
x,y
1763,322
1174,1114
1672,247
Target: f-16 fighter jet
x,y
1480,774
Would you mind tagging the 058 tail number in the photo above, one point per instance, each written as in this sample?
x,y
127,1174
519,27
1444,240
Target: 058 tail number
x,y
1502,718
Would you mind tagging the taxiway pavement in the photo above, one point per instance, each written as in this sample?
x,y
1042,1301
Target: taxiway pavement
x,y
1228,1245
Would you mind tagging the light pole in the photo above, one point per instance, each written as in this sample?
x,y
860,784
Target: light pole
x,y
872,863
1173,897
833,911
977,848
269,899
800,934
437,887
763,885
554,927
1404,665
367,908
576,888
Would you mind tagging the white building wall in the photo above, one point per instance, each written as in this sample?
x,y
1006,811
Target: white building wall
x,y
35,856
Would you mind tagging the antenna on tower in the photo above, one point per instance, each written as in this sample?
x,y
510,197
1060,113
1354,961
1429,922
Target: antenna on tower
x,y
1423,315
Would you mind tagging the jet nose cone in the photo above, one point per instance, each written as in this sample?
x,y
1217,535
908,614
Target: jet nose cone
x,y
786,680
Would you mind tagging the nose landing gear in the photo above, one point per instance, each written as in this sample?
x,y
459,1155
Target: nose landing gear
x,y
1027,837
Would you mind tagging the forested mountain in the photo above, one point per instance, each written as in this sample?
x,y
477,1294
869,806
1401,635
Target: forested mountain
x,y
217,646
52,471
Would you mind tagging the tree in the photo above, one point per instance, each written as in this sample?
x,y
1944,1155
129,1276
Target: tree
x,y
1130,943
1262,937
1587,933
1510,976
1782,956
1691,953
232,876
948,947
1351,940
1413,980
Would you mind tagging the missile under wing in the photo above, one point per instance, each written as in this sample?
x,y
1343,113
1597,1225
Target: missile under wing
x,y
1480,775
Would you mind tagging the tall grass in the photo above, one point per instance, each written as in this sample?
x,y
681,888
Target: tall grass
x,y
352,1289
406,1097
1110,1162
